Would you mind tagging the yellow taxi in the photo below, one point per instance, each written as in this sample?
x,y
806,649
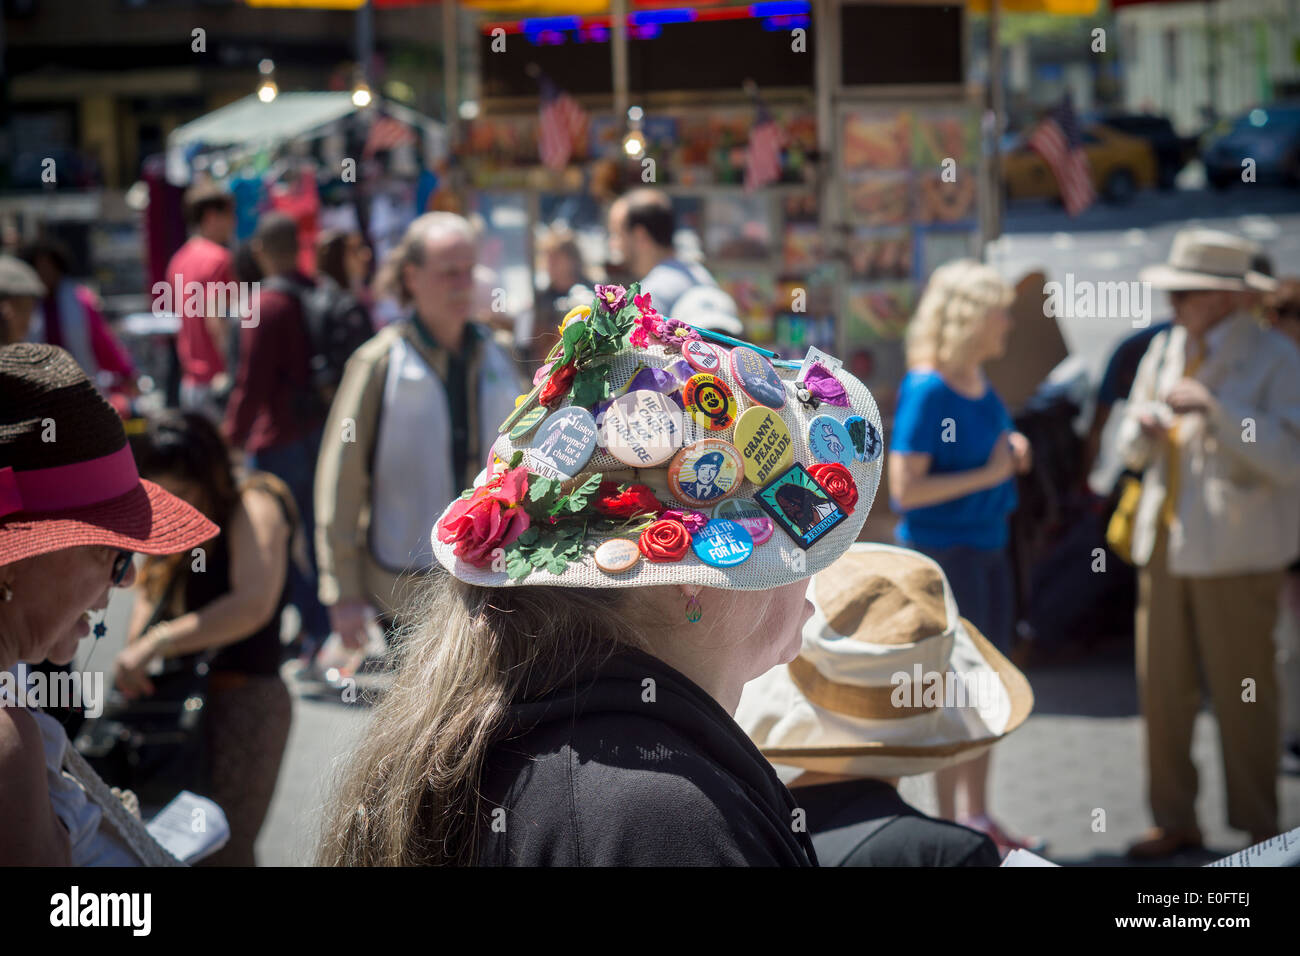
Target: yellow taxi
x,y
1121,165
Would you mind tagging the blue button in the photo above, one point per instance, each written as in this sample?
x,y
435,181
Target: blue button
x,y
723,544
830,440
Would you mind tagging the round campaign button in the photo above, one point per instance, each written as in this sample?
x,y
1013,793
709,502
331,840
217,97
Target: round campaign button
x,y
764,442
757,377
642,428
564,443
707,471
702,356
748,515
709,401
526,424
722,544
867,445
617,555
830,441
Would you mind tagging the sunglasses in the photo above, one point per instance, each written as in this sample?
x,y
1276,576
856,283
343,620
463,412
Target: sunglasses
x,y
120,565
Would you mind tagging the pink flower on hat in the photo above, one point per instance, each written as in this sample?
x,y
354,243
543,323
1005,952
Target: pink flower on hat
x,y
491,518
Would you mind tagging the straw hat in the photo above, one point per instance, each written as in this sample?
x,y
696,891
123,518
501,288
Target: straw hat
x,y
67,476
659,365
1203,259
891,681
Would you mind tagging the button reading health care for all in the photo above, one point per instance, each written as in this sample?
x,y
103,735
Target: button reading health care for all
x,y
642,428
723,544
709,401
705,472
749,516
564,443
757,378
830,441
617,555
764,442
702,356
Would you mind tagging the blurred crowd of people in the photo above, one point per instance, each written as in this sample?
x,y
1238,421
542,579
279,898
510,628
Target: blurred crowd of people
x,y
324,447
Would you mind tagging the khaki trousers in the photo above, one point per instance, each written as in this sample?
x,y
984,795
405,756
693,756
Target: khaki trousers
x,y
1220,628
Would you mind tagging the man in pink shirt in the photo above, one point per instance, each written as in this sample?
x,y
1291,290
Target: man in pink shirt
x,y
201,343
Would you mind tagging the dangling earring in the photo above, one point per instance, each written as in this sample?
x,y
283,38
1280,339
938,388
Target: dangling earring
x,y
6,593
693,610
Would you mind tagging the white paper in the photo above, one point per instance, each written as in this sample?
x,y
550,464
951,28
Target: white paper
x,y
190,827
1281,850
1025,858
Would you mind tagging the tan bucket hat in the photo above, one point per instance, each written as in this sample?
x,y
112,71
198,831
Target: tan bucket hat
x,y
890,682
1203,259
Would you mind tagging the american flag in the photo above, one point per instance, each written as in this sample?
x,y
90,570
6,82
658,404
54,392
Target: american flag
x,y
1057,139
387,133
562,125
763,154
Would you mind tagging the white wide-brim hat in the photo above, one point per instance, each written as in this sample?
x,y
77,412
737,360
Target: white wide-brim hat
x,y
776,562
1205,259
891,681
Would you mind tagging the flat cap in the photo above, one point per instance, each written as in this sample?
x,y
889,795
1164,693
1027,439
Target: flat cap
x,y
18,278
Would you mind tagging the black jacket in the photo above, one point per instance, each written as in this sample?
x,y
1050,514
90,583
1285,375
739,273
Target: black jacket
x,y
595,775
866,823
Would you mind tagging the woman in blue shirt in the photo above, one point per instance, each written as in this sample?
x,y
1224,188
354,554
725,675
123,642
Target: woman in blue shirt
x,y
952,464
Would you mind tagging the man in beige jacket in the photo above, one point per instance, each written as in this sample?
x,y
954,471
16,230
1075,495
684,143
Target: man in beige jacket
x,y
412,423
1213,422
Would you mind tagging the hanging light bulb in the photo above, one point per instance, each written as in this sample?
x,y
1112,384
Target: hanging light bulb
x,y
267,90
634,140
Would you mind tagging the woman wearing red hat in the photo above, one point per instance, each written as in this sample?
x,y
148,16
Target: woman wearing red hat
x,y
73,512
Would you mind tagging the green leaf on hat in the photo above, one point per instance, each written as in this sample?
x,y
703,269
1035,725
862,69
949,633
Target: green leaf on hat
x,y
579,496
591,386
539,487
517,564
574,333
516,458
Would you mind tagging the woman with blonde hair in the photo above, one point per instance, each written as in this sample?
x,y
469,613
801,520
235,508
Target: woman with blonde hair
x,y
951,468
566,698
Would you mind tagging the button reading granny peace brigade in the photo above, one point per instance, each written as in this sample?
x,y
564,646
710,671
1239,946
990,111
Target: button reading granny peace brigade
x,y
617,555
830,441
757,377
564,443
528,422
702,356
764,442
642,428
722,544
709,401
707,471
748,515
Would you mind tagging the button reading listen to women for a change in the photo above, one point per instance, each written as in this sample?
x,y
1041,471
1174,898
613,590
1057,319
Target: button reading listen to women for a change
x,y
722,544
564,443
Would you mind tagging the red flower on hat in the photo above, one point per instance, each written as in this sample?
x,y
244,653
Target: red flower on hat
x,y
664,541
632,500
557,386
839,484
490,518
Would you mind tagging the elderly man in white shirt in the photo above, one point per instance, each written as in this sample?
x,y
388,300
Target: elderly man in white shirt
x,y
1213,422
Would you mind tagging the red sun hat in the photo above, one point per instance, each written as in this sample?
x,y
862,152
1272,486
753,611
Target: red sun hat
x,y
67,476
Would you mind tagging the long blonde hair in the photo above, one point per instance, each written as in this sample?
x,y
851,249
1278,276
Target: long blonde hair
x,y
951,312
409,795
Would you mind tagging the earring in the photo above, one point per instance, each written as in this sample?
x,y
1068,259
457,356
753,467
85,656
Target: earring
x,y
6,593
693,610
